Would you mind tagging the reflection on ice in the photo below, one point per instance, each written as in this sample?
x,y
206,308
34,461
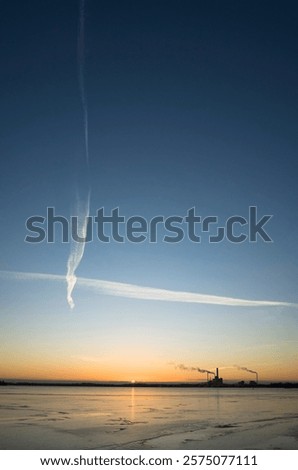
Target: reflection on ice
x,y
147,418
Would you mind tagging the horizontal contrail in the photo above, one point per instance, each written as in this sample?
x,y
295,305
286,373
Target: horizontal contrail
x,y
119,289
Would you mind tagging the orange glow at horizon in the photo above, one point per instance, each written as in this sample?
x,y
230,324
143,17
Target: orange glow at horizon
x,y
82,370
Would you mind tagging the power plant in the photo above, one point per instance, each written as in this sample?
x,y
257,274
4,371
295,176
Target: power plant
x,y
217,381
214,380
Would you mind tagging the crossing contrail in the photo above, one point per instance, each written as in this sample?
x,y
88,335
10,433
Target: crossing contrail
x,y
133,291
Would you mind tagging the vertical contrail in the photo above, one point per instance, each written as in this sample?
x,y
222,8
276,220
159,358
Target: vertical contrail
x,y
81,75
82,203
78,242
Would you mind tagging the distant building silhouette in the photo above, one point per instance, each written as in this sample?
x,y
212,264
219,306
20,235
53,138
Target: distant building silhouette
x,y
217,381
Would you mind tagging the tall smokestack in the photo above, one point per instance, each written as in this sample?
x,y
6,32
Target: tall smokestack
x,y
216,373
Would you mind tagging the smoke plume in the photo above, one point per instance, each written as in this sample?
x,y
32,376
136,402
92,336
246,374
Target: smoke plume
x,y
250,371
197,369
247,370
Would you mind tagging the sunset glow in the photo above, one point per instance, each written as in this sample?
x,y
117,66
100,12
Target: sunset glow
x,y
173,124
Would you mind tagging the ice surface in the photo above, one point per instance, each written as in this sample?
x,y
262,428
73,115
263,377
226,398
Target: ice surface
x,y
34,417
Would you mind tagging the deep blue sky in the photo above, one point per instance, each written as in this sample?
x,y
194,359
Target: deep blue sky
x,y
190,103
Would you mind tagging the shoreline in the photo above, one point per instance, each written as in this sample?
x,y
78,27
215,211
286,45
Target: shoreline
x,y
208,385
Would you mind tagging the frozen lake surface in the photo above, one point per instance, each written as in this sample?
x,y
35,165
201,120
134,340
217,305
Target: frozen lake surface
x,y
35,417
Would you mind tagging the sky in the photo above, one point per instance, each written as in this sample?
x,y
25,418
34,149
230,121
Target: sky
x,y
190,105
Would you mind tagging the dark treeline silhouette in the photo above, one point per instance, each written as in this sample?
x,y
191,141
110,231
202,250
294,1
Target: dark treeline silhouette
x,y
147,384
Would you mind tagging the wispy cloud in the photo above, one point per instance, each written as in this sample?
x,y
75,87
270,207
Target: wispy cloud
x,y
87,358
119,289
